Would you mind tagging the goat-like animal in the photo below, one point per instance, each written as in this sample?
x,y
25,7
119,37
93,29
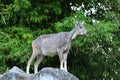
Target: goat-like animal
x,y
54,44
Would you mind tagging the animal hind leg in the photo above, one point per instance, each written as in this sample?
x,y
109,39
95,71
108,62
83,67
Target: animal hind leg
x,y
39,59
29,63
35,53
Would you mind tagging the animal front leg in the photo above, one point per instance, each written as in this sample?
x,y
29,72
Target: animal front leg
x,y
65,61
65,65
61,64
60,54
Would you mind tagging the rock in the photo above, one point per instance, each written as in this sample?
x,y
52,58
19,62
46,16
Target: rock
x,y
45,74
14,74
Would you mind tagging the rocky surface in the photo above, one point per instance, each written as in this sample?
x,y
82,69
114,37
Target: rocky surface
x,y
47,73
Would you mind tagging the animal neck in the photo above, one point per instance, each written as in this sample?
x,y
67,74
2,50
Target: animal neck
x,y
72,34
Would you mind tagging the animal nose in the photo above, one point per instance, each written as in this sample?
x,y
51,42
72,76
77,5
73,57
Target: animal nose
x,y
86,34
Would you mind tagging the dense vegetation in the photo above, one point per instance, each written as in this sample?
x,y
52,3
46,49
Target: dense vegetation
x,y
94,57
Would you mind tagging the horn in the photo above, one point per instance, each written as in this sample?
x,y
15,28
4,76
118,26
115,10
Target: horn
x,y
76,22
83,22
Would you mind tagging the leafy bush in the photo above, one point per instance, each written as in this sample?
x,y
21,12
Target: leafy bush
x,y
92,57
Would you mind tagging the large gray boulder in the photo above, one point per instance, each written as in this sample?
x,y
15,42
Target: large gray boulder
x,y
47,73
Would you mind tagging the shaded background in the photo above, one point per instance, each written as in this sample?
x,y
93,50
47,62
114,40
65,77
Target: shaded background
x,y
94,57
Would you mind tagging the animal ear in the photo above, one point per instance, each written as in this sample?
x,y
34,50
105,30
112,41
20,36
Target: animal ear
x,y
76,23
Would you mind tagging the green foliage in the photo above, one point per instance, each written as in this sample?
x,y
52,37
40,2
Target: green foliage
x,y
12,45
92,57
15,46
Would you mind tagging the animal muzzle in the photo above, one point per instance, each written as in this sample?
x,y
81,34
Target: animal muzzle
x,y
85,34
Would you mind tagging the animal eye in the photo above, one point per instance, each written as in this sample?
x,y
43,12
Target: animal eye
x,y
80,26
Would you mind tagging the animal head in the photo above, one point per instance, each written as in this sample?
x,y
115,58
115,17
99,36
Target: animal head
x,y
80,29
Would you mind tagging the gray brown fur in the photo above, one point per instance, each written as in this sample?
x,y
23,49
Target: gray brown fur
x,y
54,44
